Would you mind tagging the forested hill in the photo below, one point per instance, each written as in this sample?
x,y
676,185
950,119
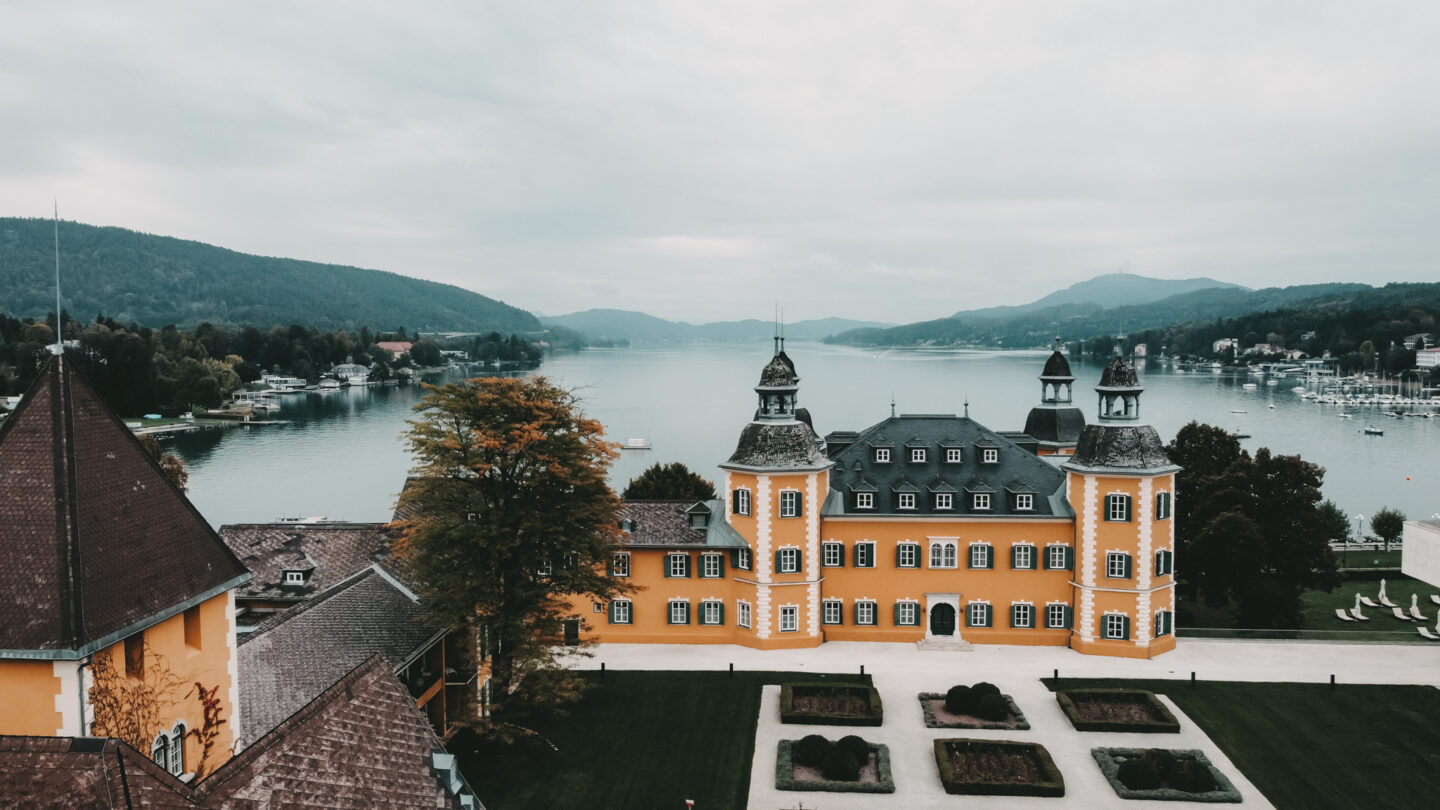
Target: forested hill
x,y
157,280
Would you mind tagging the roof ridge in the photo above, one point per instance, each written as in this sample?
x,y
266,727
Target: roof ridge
x,y
307,605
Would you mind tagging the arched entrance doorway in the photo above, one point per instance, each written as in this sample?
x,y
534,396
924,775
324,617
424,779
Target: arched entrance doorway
x,y
942,620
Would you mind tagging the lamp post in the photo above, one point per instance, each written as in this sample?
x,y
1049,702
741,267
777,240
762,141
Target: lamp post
x,y
1359,521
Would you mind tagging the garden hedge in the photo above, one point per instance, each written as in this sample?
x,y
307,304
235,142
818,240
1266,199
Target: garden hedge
x,y
1109,761
1165,722
785,774
874,716
1051,784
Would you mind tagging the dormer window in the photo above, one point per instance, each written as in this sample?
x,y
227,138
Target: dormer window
x,y
1024,501
907,500
294,577
980,500
698,520
989,455
882,455
952,455
864,500
917,455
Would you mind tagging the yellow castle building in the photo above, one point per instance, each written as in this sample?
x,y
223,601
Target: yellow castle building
x,y
922,528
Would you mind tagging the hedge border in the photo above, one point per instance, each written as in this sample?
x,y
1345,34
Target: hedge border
x,y
1224,793
1166,725
785,774
789,715
1052,786
1021,724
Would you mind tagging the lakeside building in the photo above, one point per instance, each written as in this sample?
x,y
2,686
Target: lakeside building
x,y
924,528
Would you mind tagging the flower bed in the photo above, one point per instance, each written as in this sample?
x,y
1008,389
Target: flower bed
x,y
826,704
874,775
997,768
1111,761
1116,710
936,715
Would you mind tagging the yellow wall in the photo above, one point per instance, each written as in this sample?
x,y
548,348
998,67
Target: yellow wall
x,y
27,698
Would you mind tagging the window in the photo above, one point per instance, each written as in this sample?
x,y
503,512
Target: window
x,y
1117,626
832,554
980,500
864,612
740,501
743,614
944,500
679,612
917,455
977,614
943,555
1117,565
712,613
1022,616
135,656
882,455
193,636
787,561
1059,558
980,555
864,555
907,500
1162,623
1162,506
294,577
864,500
789,618
160,750
990,455
742,559
677,565
620,564
545,569
907,555
620,611
1024,502
789,504
1022,557
1164,562
907,614
1117,508
1057,616
952,455
176,765
712,566
830,611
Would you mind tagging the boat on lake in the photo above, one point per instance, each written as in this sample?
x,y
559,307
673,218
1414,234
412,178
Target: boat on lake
x,y
1371,430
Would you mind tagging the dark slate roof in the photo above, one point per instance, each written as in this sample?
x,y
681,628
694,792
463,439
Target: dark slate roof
x,y
1057,368
1119,448
1052,426
1119,374
1016,466
332,552
666,524
296,655
779,372
84,772
779,445
97,542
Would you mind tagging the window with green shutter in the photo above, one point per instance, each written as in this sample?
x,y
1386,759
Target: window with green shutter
x,y
1162,506
1164,562
678,612
864,555
677,565
1162,623
1117,508
620,611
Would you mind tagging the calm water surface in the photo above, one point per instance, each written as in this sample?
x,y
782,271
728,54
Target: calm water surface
x,y
344,456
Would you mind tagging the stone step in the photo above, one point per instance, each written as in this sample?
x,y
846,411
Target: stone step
x,y
941,643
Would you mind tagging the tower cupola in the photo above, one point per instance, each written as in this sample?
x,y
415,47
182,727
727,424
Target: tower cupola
x,y
778,386
1119,391
1056,379
1055,423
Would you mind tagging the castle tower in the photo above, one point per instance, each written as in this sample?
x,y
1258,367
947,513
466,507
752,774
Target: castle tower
x,y
1121,485
1055,423
775,483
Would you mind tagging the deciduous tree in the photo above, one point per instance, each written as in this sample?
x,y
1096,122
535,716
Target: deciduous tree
x,y
1389,524
669,482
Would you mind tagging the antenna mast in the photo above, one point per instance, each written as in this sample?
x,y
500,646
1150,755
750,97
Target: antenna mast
x,y
59,320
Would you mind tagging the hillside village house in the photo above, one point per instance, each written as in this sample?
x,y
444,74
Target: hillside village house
x,y
928,528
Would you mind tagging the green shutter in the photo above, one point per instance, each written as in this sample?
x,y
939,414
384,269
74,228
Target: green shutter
x,y
735,502
722,612
720,559
777,562
968,616
1128,564
842,554
610,566
969,556
1069,617
686,558
1125,627
1069,558
799,505
989,616
898,546
612,611
1127,508
1014,557
665,561
1014,615
897,614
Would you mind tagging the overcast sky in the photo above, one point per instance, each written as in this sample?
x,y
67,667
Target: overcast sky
x,y
704,161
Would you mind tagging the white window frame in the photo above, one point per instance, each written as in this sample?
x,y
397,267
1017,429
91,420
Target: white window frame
x,y
1113,630
706,607
546,569
907,606
913,549
742,613
989,455
917,455
1115,564
1022,607
620,564
1024,502
789,618
1162,505
905,500
160,751
742,559
944,554
882,455
176,765
983,553
1051,552
838,608
1025,550
622,611
831,553
1055,616
953,455
706,563
670,612
983,609
980,500
1117,507
742,496
864,500
680,571
294,578
944,500
862,606
789,503
789,561
868,553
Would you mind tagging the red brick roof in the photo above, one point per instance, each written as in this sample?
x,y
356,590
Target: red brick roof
x,y
84,772
95,541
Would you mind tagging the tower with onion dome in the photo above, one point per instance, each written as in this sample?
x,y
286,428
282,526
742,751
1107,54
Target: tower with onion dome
x,y
1055,423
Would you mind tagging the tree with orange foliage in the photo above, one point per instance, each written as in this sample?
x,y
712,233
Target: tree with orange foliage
x,y
511,516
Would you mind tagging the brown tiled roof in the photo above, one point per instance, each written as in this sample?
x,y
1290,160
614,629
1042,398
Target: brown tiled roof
x,y
295,656
95,541
666,524
332,552
38,772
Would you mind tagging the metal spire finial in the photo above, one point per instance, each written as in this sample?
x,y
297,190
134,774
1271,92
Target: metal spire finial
x,y
59,347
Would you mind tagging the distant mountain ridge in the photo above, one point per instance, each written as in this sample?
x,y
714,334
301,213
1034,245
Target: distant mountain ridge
x,y
158,280
619,324
1109,290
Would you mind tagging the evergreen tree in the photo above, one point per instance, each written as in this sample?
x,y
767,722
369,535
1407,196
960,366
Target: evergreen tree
x,y
668,482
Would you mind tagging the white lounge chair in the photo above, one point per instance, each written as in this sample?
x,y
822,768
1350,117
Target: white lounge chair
x,y
1435,597
1359,617
1415,609
1342,615
1425,631
1401,615
1383,599
1365,600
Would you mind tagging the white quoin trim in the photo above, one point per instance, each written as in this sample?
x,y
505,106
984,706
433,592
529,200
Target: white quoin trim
x,y
232,666
67,700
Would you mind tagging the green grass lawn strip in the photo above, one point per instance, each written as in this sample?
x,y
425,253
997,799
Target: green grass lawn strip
x,y
637,739
1310,746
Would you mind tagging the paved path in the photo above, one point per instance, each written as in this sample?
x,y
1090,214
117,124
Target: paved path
x,y
901,672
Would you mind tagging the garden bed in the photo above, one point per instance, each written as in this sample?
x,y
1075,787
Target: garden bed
x,y
997,768
1117,710
828,704
874,774
1111,761
936,716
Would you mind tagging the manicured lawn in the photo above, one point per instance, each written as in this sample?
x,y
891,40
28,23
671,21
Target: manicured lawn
x,y
637,739
1319,607
1355,558
1310,746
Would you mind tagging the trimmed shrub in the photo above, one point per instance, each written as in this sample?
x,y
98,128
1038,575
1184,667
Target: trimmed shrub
x,y
1161,760
857,746
992,707
811,750
1191,777
1138,774
984,688
959,700
841,766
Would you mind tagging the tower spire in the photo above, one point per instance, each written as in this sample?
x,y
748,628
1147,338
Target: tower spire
x,y
59,347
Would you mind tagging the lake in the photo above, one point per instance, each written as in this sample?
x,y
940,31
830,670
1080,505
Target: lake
x,y
343,455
